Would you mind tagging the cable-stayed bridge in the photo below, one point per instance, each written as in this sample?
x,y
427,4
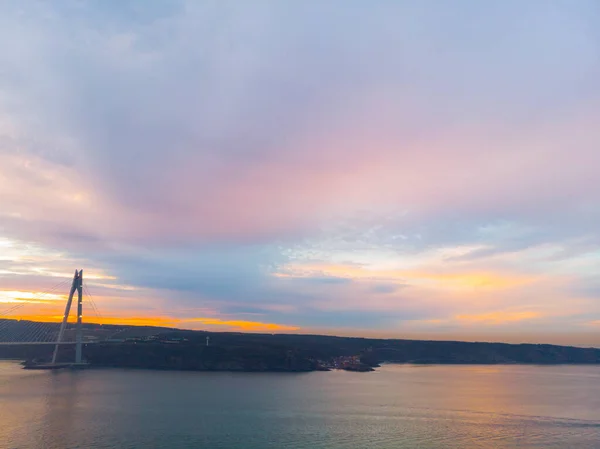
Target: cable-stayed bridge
x,y
25,332
15,331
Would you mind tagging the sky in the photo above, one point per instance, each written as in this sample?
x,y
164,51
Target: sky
x,y
403,169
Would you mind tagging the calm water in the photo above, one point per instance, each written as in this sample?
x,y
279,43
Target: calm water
x,y
395,407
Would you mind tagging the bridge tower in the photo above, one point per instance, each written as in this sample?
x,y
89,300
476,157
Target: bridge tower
x,y
76,286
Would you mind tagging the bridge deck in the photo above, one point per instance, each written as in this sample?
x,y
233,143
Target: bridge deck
x,y
6,343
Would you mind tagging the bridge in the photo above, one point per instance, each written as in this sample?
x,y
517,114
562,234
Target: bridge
x,y
25,332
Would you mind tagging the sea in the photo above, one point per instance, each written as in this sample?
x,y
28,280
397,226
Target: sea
x,y
397,406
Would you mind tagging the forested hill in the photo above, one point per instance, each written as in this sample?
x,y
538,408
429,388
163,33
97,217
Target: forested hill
x,y
240,351
406,351
147,347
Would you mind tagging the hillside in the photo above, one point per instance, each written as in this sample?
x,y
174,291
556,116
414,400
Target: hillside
x,y
148,347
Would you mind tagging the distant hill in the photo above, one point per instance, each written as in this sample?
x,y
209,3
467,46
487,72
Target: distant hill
x,y
164,348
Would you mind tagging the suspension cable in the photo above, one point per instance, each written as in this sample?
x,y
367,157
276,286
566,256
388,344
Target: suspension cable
x,y
38,296
92,302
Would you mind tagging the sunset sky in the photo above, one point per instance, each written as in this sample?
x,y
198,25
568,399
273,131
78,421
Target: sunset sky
x,y
407,169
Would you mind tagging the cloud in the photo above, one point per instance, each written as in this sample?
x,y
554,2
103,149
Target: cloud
x,y
499,317
159,150
10,297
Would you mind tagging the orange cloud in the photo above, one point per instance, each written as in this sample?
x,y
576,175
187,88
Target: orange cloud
x,y
425,278
471,280
17,296
498,317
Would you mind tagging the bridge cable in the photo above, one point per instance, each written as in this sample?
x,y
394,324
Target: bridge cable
x,y
92,302
39,296
11,330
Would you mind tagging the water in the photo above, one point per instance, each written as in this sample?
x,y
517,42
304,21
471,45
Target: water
x,y
394,407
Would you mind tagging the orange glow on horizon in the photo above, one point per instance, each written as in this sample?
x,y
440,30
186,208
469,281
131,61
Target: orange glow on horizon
x,y
247,326
184,323
498,317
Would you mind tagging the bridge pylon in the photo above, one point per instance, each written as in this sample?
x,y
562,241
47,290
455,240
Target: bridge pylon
x,y
76,286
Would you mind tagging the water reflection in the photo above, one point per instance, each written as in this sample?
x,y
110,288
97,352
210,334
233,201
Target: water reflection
x,y
395,407
58,423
